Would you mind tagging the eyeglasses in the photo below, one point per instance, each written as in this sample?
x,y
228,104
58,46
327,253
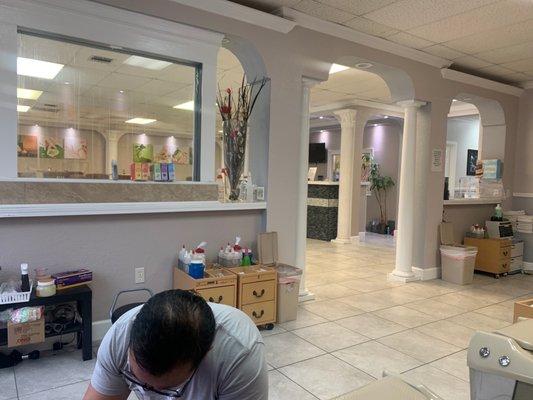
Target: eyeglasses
x,y
174,393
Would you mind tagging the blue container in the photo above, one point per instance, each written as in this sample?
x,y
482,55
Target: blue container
x,y
196,269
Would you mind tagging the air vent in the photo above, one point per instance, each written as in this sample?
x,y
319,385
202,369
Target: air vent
x,y
100,59
46,108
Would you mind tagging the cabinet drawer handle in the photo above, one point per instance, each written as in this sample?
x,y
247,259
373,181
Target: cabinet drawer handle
x,y
212,300
258,316
260,294
505,253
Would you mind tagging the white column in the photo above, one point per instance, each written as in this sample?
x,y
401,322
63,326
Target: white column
x,y
347,119
406,202
112,139
301,218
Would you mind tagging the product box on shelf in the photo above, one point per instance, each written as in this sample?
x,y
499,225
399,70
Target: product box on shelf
x,y
156,172
136,172
70,279
164,172
171,172
145,171
25,333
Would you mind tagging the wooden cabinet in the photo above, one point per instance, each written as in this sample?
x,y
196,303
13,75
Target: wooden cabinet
x,y
217,286
256,292
493,256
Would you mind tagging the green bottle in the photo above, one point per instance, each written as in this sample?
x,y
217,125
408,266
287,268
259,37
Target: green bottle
x,y
246,262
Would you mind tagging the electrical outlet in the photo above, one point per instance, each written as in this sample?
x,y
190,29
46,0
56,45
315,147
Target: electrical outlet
x,y
139,275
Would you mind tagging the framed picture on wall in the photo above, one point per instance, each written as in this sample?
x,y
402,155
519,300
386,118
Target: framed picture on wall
x,y
471,161
366,163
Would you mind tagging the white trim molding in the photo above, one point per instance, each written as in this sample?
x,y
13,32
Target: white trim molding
x,y
241,13
393,108
72,209
100,328
484,83
522,194
343,32
426,274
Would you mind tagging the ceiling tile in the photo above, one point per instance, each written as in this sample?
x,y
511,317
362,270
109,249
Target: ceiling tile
x,y
160,88
443,51
517,77
45,49
494,38
406,14
122,81
357,7
520,66
409,40
372,28
471,62
496,70
508,54
485,18
83,55
267,5
323,11
178,73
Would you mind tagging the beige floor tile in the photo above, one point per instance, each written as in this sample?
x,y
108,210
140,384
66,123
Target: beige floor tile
x,y
282,388
368,301
445,385
374,358
486,295
478,322
457,299
7,383
405,316
326,376
304,318
417,345
277,329
437,309
331,309
454,364
332,291
330,336
448,331
286,348
371,325
498,311
365,285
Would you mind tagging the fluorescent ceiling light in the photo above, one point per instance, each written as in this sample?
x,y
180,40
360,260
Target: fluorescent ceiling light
x,y
21,108
140,121
364,65
189,106
28,94
37,68
148,63
337,68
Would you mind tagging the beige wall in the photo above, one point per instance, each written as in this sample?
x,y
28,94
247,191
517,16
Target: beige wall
x,y
112,246
524,146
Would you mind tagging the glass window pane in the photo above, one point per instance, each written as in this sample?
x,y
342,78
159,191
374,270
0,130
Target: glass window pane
x,y
82,109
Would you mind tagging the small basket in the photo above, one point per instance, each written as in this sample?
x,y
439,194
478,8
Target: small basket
x,y
19,297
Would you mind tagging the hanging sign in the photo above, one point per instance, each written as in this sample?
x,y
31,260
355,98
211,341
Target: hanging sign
x,y
436,160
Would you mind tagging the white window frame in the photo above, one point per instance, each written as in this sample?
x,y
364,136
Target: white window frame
x,y
98,23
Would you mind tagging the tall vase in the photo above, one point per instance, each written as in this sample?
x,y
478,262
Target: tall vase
x,y
234,132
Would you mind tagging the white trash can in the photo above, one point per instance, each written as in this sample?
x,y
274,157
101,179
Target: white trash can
x,y
458,264
288,290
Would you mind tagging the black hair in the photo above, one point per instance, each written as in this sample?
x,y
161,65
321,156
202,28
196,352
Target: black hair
x,y
174,326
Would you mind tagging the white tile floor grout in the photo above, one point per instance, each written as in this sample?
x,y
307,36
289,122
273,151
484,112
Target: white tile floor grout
x,y
358,326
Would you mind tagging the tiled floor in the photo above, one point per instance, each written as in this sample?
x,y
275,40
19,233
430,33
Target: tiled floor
x,y
358,326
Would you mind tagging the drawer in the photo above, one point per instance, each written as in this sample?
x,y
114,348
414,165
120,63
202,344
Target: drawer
x,y
505,252
516,263
261,313
223,295
517,249
504,266
258,292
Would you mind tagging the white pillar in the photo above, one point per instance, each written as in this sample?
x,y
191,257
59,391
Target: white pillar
x,y
406,202
112,139
352,127
301,218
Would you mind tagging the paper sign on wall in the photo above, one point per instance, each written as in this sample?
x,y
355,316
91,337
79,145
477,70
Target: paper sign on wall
x,y
436,160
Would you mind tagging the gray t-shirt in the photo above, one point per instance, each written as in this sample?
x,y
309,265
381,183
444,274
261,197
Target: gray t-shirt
x,y
234,369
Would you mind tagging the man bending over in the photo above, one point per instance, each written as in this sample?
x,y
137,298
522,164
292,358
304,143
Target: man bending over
x,y
178,346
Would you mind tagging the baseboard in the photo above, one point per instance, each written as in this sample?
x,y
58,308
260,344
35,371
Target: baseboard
x,y
100,328
358,238
426,274
528,267
341,241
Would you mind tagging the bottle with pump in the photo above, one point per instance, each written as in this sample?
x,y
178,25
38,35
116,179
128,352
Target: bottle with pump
x,y
25,285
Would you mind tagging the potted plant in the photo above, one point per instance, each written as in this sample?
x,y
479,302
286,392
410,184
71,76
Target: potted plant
x,y
380,185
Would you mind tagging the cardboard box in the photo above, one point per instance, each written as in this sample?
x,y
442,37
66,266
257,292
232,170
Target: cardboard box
x,y
25,333
523,309
136,172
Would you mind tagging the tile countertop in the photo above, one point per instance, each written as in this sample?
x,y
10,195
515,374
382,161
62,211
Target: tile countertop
x,y
324,183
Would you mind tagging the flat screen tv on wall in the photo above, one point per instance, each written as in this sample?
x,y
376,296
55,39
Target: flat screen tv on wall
x,y
318,153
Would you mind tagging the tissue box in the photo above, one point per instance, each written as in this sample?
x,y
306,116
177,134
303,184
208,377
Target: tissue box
x,y
25,333
492,169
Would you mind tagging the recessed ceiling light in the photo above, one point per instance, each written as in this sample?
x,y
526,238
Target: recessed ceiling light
x,y
37,68
121,91
140,121
337,68
67,83
221,131
364,65
455,100
21,108
321,117
148,63
386,117
189,106
28,94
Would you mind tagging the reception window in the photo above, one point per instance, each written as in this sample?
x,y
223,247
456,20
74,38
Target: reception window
x,y
88,111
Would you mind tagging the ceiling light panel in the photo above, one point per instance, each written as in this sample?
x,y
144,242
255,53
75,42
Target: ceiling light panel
x,y
148,63
21,108
28,94
189,106
37,68
337,68
140,121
